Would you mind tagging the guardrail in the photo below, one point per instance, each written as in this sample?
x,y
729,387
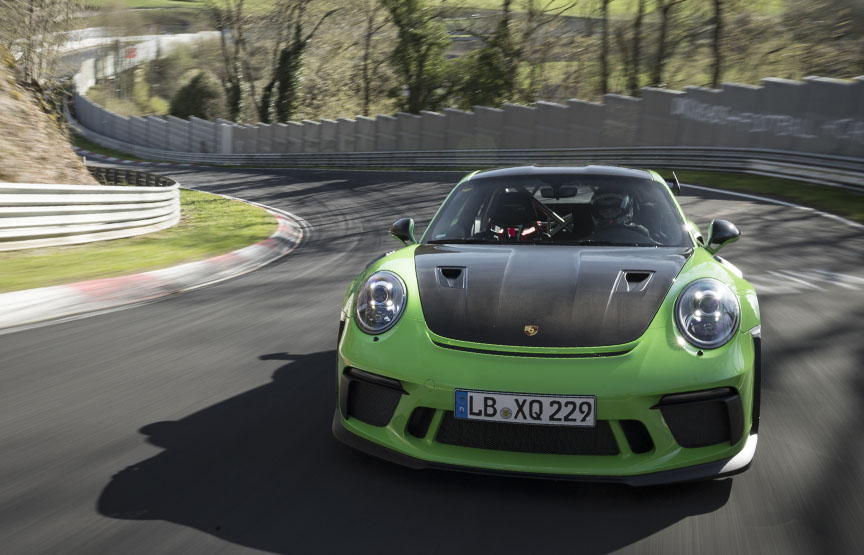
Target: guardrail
x,y
120,176
36,215
822,169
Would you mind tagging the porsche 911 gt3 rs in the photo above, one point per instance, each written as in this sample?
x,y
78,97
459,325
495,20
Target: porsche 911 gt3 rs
x,y
560,322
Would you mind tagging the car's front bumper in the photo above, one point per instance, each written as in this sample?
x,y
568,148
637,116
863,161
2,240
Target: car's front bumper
x,y
717,469
628,387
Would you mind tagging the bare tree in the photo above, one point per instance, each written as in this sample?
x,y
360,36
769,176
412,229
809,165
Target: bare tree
x,y
375,19
636,51
664,10
418,59
230,19
279,99
536,42
34,30
604,47
716,44
630,48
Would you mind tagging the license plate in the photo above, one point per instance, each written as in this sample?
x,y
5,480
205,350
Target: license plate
x,y
554,410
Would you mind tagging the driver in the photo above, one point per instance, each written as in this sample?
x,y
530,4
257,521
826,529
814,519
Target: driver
x,y
614,208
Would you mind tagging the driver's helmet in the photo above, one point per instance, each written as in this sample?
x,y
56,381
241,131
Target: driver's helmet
x,y
611,208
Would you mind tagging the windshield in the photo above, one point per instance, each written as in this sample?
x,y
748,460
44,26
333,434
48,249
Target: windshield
x,y
560,209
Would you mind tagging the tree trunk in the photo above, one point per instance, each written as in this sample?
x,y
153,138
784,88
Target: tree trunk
x,y
29,46
716,44
367,85
665,11
633,79
232,88
367,57
604,49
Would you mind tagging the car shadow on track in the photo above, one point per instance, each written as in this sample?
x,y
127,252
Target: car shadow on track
x,y
262,470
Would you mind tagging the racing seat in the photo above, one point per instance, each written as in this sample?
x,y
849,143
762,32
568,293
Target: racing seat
x,y
512,210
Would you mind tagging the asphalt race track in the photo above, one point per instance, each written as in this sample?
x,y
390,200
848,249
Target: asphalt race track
x,y
201,423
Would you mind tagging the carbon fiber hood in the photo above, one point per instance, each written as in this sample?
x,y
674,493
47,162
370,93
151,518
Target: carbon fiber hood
x,y
544,296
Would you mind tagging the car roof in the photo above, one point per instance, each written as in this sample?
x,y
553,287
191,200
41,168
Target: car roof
x,y
563,170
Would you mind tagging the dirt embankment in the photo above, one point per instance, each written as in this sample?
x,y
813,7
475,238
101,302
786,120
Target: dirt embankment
x,y
33,148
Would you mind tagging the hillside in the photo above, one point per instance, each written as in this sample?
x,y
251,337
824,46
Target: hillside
x,y
33,149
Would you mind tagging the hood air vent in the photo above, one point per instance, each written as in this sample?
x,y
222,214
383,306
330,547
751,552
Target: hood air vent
x,y
635,280
451,276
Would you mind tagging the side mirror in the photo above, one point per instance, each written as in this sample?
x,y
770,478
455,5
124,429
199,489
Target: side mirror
x,y
674,186
721,233
403,230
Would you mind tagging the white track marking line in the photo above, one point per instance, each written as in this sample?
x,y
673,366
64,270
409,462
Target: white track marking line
x,y
841,277
786,275
829,277
780,282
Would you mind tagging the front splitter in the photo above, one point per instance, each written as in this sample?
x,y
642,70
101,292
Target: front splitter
x,y
705,471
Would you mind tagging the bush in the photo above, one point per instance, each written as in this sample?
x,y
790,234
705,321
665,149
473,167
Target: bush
x,y
201,97
158,105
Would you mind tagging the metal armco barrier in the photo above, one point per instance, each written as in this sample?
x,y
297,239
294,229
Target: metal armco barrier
x,y
120,176
35,215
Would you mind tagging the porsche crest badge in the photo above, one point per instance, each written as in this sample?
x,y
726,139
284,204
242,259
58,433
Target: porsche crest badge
x,y
531,331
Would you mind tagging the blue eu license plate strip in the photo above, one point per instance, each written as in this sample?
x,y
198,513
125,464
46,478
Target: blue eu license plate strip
x,y
518,408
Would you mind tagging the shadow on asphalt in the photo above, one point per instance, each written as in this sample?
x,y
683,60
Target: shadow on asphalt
x,y
262,470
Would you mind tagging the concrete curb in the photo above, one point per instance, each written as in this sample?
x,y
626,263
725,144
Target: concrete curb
x,y
34,306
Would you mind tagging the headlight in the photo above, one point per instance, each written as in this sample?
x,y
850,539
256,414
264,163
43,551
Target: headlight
x,y
380,302
707,313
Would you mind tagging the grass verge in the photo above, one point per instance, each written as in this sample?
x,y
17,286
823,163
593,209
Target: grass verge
x,y
210,225
835,200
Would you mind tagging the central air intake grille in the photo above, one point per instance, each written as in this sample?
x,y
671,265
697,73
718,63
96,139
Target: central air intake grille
x,y
527,438
372,403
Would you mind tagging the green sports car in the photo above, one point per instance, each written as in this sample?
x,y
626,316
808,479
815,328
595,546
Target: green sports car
x,y
557,322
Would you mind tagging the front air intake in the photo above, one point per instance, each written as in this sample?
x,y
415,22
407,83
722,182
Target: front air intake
x,y
702,418
368,397
418,424
637,436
